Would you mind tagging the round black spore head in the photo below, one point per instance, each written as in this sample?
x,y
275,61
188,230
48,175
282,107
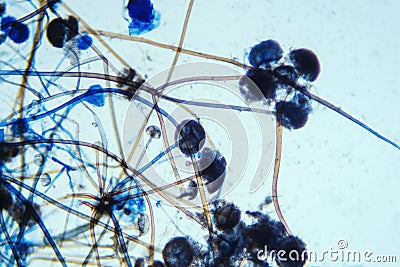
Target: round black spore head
x,y
264,53
59,31
56,32
306,63
212,169
262,79
295,252
190,136
72,27
294,113
226,216
178,252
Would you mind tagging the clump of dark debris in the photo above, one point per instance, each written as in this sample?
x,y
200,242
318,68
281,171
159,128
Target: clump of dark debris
x,y
236,243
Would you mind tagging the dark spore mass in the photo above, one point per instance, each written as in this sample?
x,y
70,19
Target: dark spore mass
x,y
212,169
264,232
141,10
24,212
5,198
19,127
56,32
190,136
143,15
226,216
178,252
262,79
16,31
294,113
60,31
72,27
286,72
6,24
264,53
295,252
7,153
226,248
306,63
19,33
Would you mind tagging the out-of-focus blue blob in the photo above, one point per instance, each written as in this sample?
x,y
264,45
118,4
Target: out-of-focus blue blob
x,y
95,99
143,15
264,53
84,42
17,32
5,27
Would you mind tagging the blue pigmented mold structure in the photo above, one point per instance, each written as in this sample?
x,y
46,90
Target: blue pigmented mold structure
x,y
264,53
17,31
95,99
166,149
144,18
84,42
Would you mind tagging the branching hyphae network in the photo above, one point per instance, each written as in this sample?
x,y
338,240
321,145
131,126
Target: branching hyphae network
x,y
142,133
